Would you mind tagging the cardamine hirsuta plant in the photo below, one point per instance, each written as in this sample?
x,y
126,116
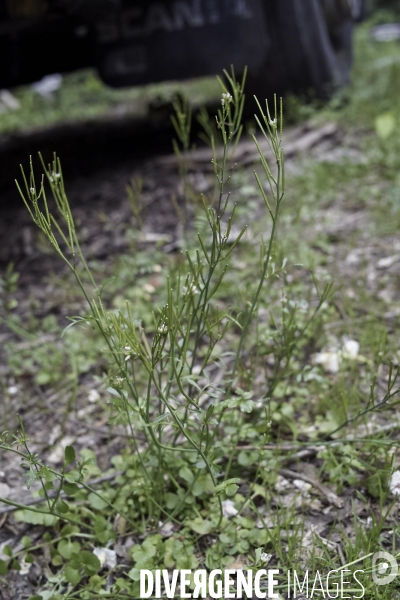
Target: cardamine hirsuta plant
x,y
178,395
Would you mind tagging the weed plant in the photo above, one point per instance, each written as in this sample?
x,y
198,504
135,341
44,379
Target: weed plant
x,y
197,389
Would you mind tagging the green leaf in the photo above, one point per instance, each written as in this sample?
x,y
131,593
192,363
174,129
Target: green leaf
x,y
247,406
49,485
231,489
186,474
246,522
229,483
34,518
42,377
7,550
71,489
385,125
159,419
143,554
57,560
193,383
104,533
225,538
258,536
134,574
96,582
203,485
114,392
3,567
247,458
15,565
72,575
67,548
87,561
200,525
374,484
187,561
50,595
69,530
69,455
62,507
72,476
26,540
209,412
171,499
96,501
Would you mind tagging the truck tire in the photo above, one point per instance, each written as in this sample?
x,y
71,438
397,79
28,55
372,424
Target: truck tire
x,y
305,53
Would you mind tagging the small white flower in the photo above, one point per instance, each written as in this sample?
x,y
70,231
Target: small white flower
x,y
32,190
273,122
55,176
265,557
163,329
191,289
129,353
12,390
107,557
394,484
226,98
228,509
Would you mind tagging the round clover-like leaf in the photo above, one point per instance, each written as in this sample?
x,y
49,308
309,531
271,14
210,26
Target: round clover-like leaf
x,y
62,507
70,488
87,561
96,501
134,574
67,548
72,575
201,526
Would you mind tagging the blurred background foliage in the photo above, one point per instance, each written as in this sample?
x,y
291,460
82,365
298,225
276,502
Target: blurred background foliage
x,y
390,5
